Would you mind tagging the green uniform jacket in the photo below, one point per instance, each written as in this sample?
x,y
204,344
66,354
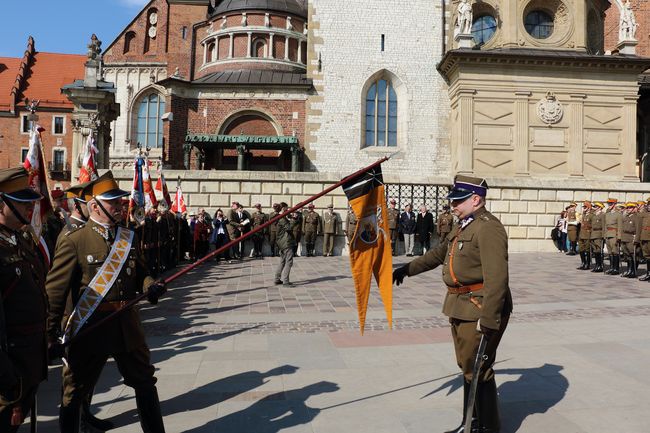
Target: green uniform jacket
x,y
259,218
585,226
613,224
24,306
597,226
350,225
273,227
78,257
479,256
311,223
444,223
393,218
285,237
331,223
629,225
643,226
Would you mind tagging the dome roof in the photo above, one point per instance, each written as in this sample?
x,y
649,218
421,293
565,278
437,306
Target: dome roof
x,y
291,7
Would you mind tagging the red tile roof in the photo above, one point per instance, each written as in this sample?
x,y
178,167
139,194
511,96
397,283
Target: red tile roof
x,y
42,78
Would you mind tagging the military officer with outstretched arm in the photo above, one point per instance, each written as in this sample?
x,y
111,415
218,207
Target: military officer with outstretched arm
x,y
101,267
23,302
474,259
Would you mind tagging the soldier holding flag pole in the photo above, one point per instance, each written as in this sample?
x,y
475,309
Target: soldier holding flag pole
x,y
474,259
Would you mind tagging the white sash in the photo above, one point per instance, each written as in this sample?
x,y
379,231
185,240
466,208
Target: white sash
x,y
100,284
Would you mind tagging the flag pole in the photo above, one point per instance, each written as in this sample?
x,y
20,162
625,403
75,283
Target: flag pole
x,y
179,221
225,247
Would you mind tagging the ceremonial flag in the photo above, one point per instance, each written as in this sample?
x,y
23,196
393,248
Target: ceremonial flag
x,y
161,185
149,194
88,171
38,182
370,249
137,202
179,202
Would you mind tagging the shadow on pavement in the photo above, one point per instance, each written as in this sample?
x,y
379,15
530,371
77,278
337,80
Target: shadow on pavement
x,y
273,413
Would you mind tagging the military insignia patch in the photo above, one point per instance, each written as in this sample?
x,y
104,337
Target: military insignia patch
x,y
90,259
460,246
128,271
131,263
18,272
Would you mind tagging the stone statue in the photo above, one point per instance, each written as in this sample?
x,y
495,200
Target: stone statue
x,y
289,24
94,47
464,18
244,20
224,21
267,20
187,154
627,23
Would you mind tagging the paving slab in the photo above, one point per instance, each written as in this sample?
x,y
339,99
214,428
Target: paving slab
x,y
235,353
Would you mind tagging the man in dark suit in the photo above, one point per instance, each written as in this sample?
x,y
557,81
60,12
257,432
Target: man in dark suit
x,y
407,221
423,229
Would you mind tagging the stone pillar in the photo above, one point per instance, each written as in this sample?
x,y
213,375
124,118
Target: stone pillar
x,y
298,60
576,135
522,139
216,49
286,48
271,45
231,46
241,155
295,158
465,144
250,48
205,53
629,138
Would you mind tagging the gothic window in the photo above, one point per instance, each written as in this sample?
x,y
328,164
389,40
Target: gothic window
x,y
259,48
209,55
128,41
149,132
381,114
483,28
539,24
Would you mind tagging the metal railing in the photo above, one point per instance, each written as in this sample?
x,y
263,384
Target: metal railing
x,y
432,196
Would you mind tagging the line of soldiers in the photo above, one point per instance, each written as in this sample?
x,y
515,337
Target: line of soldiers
x,y
619,230
97,268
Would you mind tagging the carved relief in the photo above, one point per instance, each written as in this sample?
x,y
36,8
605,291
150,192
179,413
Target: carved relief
x,y
549,109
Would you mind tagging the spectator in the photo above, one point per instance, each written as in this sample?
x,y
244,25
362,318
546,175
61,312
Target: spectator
x,y
219,236
424,229
407,222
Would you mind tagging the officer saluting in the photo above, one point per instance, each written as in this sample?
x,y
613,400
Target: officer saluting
x,y
474,259
23,304
100,265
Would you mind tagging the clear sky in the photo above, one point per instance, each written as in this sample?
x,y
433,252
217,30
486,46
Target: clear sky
x,y
62,26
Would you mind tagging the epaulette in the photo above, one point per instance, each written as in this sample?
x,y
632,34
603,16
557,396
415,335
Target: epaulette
x,y
485,217
73,230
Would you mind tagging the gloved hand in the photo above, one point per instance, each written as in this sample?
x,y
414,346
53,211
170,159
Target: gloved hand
x,y
55,350
399,274
155,291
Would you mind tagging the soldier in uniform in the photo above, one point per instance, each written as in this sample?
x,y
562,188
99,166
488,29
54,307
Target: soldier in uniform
x,y
643,237
273,231
444,223
77,206
297,231
596,240
628,239
311,227
350,224
23,302
80,256
612,234
584,237
258,218
393,225
474,260
573,227
286,243
331,222
239,222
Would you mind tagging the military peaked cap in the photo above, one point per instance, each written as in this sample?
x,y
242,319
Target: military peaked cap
x,y
104,188
466,186
14,185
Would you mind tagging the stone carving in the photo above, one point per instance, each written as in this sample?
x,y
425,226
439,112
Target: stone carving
x,y
627,23
267,20
464,18
94,47
224,21
289,25
244,19
305,30
549,109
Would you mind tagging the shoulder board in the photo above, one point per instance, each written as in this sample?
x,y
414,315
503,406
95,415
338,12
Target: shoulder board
x,y
73,230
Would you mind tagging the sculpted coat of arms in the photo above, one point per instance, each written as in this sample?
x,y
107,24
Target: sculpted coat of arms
x,y
549,109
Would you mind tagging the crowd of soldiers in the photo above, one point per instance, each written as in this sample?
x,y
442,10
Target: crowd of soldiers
x,y
616,230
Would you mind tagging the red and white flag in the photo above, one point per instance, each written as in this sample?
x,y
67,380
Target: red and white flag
x,y
88,171
161,185
38,182
149,194
179,202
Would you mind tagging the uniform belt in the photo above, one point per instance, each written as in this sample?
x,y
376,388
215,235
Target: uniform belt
x,y
464,289
111,305
29,329
612,228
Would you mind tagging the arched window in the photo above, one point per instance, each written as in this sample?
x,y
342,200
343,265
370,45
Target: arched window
x,y
149,131
381,114
209,55
128,41
259,48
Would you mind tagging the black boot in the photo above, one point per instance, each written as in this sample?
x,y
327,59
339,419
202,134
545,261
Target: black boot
x,y
572,249
146,399
487,406
583,261
615,270
646,277
611,265
461,427
600,259
69,419
87,418
632,268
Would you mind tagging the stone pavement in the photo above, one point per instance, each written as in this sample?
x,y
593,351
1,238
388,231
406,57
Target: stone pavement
x,y
236,354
